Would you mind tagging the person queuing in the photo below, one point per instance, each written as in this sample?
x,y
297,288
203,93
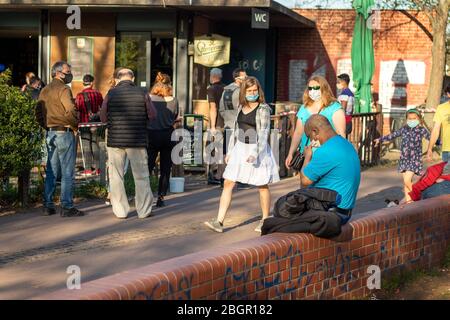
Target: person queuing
x,y
249,159
126,112
160,132
317,99
88,103
410,162
57,114
215,91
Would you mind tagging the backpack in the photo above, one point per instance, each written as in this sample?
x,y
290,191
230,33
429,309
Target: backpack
x,y
228,98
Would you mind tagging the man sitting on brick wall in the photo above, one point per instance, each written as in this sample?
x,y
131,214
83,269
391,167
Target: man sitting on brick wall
x,y
331,174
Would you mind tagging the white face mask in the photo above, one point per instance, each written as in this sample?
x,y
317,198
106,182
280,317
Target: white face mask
x,y
315,143
315,94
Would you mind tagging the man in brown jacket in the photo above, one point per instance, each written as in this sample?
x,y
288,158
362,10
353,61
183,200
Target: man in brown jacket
x,y
57,114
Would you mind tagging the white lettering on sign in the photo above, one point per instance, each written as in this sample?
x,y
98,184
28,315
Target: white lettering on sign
x,y
261,17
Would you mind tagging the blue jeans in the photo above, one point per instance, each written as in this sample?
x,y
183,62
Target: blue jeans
x,y
436,190
61,162
445,156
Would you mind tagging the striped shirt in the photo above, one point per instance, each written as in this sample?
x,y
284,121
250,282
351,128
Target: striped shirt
x,y
96,99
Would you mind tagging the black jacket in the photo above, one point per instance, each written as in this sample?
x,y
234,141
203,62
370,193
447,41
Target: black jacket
x,y
127,116
305,211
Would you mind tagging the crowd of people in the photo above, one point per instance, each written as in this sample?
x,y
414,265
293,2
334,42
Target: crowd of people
x,y
140,127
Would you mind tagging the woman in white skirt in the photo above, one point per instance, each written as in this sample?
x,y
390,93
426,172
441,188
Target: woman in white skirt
x,y
249,158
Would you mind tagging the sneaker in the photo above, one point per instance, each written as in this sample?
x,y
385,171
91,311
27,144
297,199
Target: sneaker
x,y
86,173
72,212
160,203
259,227
214,225
48,211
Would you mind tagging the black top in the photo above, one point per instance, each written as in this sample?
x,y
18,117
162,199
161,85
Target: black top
x,y
127,116
214,95
247,126
166,114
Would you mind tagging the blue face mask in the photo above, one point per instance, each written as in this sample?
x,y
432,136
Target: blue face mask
x,y
413,123
252,98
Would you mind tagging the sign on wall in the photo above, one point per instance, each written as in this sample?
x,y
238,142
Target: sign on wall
x,y
212,51
260,19
81,56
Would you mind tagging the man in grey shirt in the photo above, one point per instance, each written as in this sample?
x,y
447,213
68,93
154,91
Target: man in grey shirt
x,y
229,103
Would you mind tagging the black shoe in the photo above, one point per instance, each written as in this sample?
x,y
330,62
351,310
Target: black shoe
x,y
214,181
72,212
160,203
48,211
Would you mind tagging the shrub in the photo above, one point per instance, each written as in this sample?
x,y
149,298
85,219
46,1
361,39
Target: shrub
x,y
21,136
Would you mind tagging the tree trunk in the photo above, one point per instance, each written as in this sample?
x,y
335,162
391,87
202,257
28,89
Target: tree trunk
x,y
438,54
24,187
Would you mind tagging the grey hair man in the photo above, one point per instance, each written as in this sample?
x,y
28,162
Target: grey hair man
x,y
57,114
126,110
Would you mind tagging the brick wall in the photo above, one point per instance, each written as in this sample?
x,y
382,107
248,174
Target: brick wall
x,y
402,56
291,266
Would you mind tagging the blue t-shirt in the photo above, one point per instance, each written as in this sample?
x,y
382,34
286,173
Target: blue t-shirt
x,y
335,166
328,112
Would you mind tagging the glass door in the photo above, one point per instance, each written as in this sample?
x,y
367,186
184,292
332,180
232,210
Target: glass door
x,y
133,50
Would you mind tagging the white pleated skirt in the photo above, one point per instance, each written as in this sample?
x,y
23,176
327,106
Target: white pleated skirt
x,y
260,173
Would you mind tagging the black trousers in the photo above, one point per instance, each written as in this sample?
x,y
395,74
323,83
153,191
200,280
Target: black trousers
x,y
159,141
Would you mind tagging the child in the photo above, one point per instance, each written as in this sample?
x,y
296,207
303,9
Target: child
x,y
347,100
411,148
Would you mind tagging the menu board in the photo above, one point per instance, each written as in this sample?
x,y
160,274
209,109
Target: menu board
x,y
80,56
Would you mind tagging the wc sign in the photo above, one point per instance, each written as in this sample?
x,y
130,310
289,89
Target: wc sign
x,y
260,19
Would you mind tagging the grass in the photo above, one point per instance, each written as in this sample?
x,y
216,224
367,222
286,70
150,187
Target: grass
x,y
91,190
391,285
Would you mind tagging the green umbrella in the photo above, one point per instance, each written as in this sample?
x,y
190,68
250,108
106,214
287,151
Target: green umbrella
x,y
363,61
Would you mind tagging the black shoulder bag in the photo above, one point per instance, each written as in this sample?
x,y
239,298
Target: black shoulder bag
x,y
299,158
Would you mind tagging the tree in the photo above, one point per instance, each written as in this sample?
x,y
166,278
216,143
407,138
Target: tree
x,y
21,135
437,12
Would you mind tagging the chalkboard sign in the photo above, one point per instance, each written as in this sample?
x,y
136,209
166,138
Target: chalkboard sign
x,y
81,56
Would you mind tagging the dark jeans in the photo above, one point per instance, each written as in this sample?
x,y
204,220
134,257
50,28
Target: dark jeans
x,y
436,190
159,141
61,149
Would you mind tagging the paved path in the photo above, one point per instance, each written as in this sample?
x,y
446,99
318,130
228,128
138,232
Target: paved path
x,y
35,251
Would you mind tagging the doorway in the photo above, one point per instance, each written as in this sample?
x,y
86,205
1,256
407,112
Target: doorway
x,y
20,53
145,53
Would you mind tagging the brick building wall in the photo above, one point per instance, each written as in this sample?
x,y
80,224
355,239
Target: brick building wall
x,y
102,28
402,48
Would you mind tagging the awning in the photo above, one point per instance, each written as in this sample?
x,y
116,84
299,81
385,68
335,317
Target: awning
x,y
230,10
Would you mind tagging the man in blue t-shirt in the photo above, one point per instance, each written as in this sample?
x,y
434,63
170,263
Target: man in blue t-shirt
x,y
334,165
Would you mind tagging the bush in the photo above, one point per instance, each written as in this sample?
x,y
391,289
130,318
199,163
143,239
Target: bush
x,y
21,135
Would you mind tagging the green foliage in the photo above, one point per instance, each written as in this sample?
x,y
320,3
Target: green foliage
x,y
21,135
127,53
91,190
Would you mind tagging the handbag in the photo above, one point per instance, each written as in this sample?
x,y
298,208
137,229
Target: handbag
x,y
298,159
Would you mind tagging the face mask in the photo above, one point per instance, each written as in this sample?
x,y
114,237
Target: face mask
x,y
315,144
252,98
68,77
315,94
413,123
